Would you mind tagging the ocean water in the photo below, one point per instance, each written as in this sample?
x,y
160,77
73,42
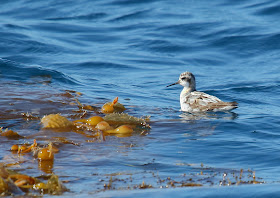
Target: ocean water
x,y
133,49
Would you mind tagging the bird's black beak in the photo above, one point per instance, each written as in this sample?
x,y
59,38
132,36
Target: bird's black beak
x,y
173,84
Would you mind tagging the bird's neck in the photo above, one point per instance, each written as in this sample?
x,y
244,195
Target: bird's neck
x,y
184,94
187,90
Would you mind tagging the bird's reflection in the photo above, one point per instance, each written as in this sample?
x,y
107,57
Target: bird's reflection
x,y
208,116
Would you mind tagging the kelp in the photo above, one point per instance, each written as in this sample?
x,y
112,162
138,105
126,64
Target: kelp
x,y
112,123
56,121
97,126
9,133
124,118
14,183
54,186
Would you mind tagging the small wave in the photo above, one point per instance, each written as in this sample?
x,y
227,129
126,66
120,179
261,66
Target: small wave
x,y
161,45
134,15
191,29
131,2
253,86
97,38
270,10
90,17
103,65
21,72
246,45
19,43
14,27
57,27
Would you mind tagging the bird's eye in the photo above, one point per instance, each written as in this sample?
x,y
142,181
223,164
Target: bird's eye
x,y
184,78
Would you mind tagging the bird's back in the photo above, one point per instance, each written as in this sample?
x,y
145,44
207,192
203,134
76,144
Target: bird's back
x,y
197,101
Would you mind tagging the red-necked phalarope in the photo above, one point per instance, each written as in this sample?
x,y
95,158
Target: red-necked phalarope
x,y
196,101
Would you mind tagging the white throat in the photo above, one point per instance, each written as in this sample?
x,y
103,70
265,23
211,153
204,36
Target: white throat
x,y
184,93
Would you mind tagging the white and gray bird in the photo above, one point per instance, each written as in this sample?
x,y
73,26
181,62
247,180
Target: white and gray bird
x,y
196,101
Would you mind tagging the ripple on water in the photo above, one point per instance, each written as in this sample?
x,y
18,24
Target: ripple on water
x,y
267,9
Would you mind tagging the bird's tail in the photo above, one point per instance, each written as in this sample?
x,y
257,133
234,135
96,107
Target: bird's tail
x,y
223,106
231,105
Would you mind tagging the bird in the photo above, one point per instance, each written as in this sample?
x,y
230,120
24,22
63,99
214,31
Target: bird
x,y
196,101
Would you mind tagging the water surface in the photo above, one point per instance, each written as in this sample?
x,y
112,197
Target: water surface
x,y
133,49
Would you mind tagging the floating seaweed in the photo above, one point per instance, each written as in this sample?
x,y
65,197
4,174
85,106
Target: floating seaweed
x,y
56,121
111,107
9,133
124,118
123,123
14,183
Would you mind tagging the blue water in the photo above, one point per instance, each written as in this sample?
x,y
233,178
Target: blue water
x,y
133,49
